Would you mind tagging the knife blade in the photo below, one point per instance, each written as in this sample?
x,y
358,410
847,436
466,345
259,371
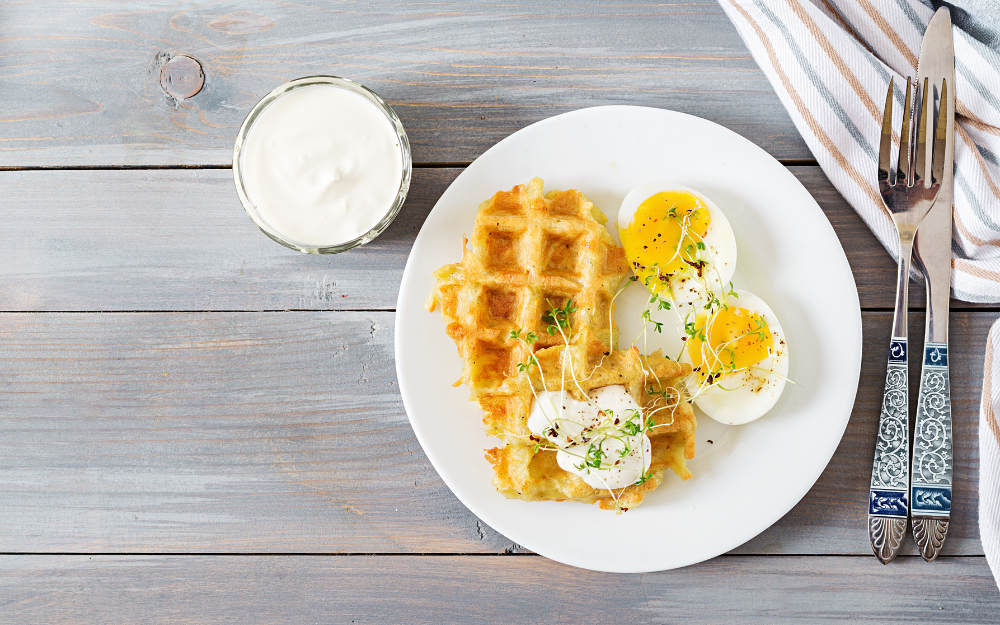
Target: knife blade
x,y
931,482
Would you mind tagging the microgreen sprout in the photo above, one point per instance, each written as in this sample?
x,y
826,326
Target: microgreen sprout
x,y
558,318
528,337
648,475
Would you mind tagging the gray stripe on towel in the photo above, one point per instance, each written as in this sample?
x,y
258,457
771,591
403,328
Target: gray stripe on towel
x,y
838,110
977,208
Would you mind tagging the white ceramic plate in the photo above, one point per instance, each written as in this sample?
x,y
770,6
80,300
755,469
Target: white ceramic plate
x,y
788,255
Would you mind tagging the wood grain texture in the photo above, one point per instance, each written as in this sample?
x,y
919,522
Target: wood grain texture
x,y
81,87
285,433
217,433
179,240
523,589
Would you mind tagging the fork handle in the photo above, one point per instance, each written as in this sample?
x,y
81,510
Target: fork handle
x,y
888,504
888,496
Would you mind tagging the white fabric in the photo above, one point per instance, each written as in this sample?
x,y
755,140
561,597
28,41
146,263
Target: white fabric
x,y
830,62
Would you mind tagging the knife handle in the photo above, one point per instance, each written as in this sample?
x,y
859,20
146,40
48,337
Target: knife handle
x,y
930,491
887,497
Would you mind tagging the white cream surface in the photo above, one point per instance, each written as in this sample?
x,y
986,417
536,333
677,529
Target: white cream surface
x,y
322,165
577,426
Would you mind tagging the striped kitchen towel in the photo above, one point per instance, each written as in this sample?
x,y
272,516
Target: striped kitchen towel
x,y
989,456
830,62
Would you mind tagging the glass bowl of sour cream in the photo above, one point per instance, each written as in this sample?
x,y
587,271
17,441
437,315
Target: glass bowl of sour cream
x,y
322,164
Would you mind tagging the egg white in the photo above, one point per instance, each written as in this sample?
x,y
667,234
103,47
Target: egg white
x,y
756,391
719,240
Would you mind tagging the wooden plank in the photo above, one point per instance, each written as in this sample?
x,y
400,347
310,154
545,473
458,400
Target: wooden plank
x,y
528,589
179,240
284,433
874,269
82,87
215,432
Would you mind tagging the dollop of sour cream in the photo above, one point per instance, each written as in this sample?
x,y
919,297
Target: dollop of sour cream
x,y
597,430
322,165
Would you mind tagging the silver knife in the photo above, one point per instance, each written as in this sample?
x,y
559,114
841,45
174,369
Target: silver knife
x,y
930,487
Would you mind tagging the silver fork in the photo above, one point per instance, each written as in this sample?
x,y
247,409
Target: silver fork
x,y
907,199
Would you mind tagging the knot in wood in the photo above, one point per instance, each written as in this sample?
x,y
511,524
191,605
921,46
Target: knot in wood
x,y
182,77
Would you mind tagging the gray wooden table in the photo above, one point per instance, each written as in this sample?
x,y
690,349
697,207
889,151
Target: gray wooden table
x,y
198,425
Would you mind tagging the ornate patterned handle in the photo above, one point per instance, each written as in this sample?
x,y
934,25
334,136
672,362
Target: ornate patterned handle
x,y
887,498
930,492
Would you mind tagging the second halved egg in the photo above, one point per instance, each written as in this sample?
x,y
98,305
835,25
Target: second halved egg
x,y
740,358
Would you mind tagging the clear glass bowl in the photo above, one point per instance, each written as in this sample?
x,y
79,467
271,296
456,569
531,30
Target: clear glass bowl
x,y
404,146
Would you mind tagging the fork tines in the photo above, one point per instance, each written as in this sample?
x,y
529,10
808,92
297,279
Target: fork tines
x,y
914,152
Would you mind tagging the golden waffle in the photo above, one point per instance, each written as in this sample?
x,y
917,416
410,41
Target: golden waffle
x,y
521,473
528,254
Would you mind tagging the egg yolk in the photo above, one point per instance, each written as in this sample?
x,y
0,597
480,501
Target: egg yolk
x,y
730,339
665,237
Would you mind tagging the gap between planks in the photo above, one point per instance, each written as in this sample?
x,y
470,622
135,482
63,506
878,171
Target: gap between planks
x,y
911,309
787,162
431,554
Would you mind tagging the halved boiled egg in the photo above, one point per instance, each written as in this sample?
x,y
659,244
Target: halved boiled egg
x,y
676,238
739,356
